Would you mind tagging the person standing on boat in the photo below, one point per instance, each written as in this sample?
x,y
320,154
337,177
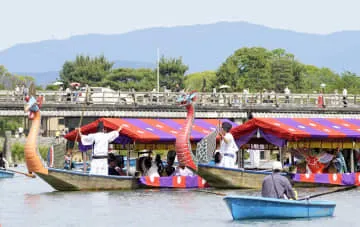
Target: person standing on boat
x,y
228,147
100,142
276,185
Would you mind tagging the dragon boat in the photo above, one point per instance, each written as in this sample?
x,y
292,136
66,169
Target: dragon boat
x,y
149,133
314,141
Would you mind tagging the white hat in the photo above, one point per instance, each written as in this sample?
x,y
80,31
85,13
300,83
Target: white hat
x,y
277,165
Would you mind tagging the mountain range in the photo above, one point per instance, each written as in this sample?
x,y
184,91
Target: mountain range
x,y
202,47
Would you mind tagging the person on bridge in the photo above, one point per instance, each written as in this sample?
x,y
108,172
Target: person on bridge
x,y
228,147
100,142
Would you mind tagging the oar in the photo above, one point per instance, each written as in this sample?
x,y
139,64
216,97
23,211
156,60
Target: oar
x,y
219,193
329,192
210,192
14,171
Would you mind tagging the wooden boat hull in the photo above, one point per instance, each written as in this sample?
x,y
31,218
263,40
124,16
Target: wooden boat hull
x,y
219,177
6,174
63,180
249,207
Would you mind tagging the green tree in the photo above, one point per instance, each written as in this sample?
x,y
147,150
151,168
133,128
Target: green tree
x,y
9,81
282,70
126,78
52,87
17,152
247,67
314,77
350,81
43,150
85,70
10,124
298,70
172,71
201,81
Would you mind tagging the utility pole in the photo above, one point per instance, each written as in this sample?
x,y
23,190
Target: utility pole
x,y
158,70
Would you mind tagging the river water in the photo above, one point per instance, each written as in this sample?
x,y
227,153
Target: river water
x,y
31,202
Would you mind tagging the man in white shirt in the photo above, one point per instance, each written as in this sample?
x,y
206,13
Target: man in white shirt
x,y
100,142
183,171
287,94
228,147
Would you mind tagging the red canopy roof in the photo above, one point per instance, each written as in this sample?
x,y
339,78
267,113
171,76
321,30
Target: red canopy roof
x,y
151,130
293,129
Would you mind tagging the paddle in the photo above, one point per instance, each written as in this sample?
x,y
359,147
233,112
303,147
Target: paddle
x,y
219,193
329,192
14,171
210,192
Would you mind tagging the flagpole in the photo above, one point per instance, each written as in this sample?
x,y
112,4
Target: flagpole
x,y
158,70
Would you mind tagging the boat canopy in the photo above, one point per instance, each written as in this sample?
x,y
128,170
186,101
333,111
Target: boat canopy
x,y
279,131
150,130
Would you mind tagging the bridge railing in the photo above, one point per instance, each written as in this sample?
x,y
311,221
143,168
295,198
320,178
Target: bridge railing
x,y
169,98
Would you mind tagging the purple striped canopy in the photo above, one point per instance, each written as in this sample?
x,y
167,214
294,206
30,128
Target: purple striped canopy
x,y
151,130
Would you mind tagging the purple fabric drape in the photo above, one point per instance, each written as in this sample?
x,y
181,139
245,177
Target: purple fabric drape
x,y
119,140
273,139
244,139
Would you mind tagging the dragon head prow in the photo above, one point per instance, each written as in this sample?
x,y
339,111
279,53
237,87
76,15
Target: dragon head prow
x,y
187,98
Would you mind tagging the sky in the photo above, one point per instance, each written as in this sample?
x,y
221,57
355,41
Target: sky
x,y
24,21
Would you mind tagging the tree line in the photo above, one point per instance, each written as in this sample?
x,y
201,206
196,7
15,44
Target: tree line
x,y
9,80
254,68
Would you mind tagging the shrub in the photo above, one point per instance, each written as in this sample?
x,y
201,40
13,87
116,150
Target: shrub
x,y
17,152
43,150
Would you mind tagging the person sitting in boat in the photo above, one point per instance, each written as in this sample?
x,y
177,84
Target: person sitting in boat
x,y
340,163
276,185
151,169
116,166
100,142
182,170
228,147
67,161
217,158
169,168
160,165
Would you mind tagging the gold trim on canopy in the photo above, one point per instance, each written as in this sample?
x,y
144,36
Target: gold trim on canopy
x,y
323,144
153,146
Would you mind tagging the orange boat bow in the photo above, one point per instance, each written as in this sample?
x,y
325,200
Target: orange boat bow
x,y
32,159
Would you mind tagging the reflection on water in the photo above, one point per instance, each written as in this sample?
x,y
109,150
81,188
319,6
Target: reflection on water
x,y
31,202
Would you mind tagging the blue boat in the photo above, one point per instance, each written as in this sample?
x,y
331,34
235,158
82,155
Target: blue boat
x,y
5,174
250,207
